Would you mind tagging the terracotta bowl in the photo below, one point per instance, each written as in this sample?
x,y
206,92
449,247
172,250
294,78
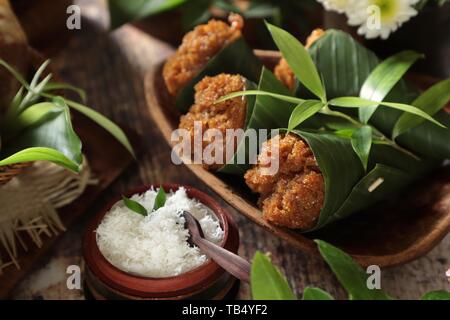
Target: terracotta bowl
x,y
209,281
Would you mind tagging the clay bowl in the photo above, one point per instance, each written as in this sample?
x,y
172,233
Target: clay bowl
x,y
392,233
209,281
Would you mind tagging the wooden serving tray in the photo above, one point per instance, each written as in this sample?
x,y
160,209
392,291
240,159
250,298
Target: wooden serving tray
x,y
107,159
389,234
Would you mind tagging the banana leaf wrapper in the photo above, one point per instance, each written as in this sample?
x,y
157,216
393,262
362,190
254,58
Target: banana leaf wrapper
x,y
348,189
345,64
235,58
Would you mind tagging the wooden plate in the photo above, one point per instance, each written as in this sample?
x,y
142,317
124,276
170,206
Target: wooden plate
x,y
391,233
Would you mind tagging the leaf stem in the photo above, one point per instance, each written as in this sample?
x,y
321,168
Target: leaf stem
x,y
377,133
327,111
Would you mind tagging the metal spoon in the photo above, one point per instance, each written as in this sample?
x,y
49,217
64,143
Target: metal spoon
x,y
232,263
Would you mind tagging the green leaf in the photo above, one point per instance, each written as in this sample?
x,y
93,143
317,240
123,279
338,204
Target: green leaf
x,y
134,206
40,154
303,112
391,170
343,63
55,86
348,190
14,106
431,101
316,294
123,11
427,139
46,125
53,131
355,102
34,88
412,110
274,103
236,58
442,2
351,102
260,10
267,283
14,72
160,199
33,95
384,78
28,93
346,133
379,184
339,165
436,295
362,143
351,276
286,98
27,118
422,3
298,60
104,122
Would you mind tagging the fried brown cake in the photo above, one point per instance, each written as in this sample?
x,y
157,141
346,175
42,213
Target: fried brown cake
x,y
197,48
285,74
292,197
229,114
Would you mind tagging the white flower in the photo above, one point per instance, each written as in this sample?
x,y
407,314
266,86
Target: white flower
x,y
379,18
336,5
375,18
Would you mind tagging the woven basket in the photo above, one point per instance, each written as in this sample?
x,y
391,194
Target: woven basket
x,y
10,171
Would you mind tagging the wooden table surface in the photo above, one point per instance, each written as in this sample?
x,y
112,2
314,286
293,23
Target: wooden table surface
x,y
111,68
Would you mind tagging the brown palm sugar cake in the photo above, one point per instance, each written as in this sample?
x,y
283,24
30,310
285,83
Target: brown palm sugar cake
x,y
229,114
198,46
313,37
284,73
293,196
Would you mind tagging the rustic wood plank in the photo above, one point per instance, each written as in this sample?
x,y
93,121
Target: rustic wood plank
x,y
111,67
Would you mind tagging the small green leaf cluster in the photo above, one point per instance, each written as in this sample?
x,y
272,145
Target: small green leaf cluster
x,y
38,126
160,201
267,282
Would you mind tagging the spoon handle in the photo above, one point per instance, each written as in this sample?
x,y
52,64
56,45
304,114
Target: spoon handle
x,y
234,264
